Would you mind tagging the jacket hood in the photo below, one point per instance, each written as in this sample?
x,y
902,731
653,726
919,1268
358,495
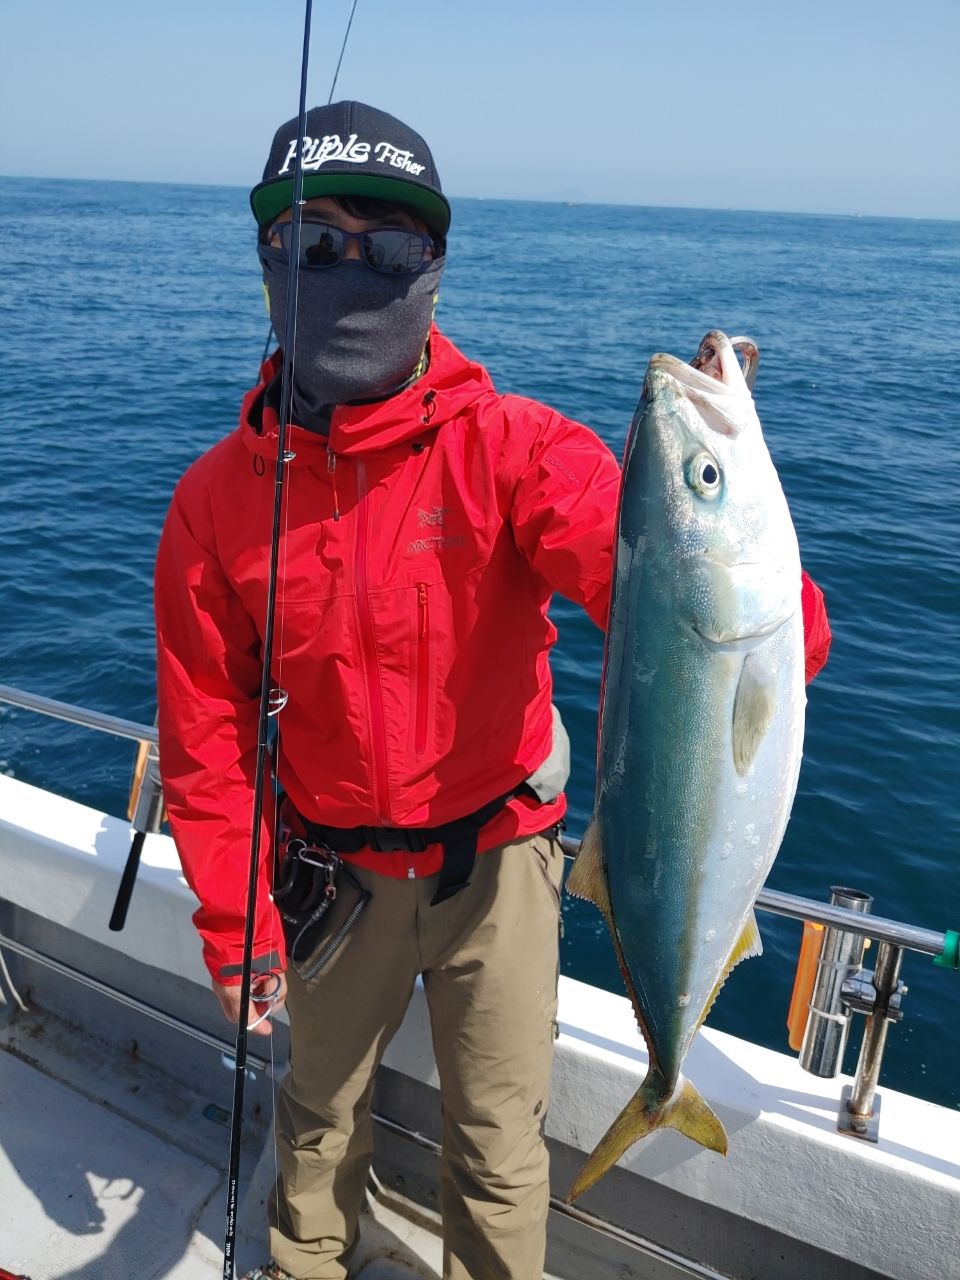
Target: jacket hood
x,y
450,383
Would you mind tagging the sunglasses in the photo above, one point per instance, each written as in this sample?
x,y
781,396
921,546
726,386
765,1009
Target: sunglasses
x,y
389,250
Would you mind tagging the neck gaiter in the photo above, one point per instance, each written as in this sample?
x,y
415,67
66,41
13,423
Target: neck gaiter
x,y
360,335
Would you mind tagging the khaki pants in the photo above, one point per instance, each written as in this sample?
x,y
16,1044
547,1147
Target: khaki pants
x,y
489,959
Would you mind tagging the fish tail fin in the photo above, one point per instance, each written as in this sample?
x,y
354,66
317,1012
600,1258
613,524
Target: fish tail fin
x,y
652,1108
692,1116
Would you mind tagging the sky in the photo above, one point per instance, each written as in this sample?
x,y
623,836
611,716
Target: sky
x,y
825,106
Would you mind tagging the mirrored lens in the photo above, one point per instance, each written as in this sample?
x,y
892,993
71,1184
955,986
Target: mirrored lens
x,y
320,244
390,250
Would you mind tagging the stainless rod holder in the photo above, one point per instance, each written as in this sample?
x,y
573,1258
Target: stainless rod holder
x,y
828,1026
148,793
860,1103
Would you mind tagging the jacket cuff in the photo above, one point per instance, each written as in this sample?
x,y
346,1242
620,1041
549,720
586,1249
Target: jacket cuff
x,y
230,974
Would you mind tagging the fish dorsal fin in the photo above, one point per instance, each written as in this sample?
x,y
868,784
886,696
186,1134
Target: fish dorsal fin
x,y
587,878
747,945
754,706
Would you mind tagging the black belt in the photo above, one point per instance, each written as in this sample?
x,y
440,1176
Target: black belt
x,y
458,838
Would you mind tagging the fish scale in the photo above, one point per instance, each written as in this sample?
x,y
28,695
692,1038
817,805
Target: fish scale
x,y
701,720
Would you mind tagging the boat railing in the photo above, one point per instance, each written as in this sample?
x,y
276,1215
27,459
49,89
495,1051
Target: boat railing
x,y
831,985
908,936
116,725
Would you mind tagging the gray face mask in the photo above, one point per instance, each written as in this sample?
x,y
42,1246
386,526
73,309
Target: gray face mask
x,y
360,335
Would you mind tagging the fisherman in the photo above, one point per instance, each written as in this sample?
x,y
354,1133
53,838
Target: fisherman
x,y
420,763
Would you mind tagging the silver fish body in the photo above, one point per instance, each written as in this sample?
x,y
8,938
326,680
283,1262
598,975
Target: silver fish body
x,y
701,723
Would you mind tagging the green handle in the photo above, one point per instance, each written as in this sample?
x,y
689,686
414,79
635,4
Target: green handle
x,y
949,957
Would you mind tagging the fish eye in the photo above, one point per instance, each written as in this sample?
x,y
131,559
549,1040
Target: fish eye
x,y
703,475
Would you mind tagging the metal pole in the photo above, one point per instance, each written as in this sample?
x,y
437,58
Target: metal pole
x,y
928,941
860,1102
841,954
78,715
883,929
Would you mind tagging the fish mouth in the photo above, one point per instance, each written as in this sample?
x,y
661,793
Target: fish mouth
x,y
741,639
717,353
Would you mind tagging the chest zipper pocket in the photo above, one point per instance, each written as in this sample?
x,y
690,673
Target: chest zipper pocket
x,y
423,668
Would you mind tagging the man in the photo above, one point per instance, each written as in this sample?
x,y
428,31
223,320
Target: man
x,y
427,522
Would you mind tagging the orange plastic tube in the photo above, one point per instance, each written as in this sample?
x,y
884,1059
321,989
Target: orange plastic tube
x,y
135,785
803,983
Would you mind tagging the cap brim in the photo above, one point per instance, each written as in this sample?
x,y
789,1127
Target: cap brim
x,y
270,198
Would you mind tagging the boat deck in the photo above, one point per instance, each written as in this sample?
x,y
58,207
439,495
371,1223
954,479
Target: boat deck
x,y
114,1133
110,1169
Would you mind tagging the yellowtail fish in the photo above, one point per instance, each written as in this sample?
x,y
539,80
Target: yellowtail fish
x,y
701,720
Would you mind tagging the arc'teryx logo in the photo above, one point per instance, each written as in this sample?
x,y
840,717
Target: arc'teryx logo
x,y
435,518
436,515
436,544
318,151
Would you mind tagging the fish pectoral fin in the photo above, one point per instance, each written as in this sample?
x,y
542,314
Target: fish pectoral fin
x,y
587,878
754,706
747,945
653,1106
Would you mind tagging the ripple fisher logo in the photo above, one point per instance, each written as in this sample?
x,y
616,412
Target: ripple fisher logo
x,y
320,151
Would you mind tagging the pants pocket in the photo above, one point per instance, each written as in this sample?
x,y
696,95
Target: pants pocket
x,y
547,853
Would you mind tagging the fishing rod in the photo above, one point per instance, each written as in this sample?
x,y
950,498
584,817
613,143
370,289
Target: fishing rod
x,y
272,699
146,813
343,49
333,85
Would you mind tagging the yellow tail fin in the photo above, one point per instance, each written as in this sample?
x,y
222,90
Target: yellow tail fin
x,y
651,1108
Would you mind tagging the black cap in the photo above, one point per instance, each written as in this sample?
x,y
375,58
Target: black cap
x,y
350,149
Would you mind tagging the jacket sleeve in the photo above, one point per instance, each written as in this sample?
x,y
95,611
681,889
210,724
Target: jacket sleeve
x,y
816,626
564,505
208,693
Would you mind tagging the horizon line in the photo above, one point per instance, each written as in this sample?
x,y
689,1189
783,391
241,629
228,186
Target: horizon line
x,y
559,200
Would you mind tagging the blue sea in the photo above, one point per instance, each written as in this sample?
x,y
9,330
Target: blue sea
x,y
133,320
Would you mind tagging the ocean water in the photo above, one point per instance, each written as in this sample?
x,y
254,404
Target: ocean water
x,y
132,322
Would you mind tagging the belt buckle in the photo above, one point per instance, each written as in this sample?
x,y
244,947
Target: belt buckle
x,y
397,840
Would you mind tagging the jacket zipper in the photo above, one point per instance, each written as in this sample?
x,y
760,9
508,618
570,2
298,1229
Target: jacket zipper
x,y
423,668
332,469
368,644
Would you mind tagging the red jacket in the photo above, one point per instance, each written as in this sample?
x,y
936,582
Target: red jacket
x,y
421,546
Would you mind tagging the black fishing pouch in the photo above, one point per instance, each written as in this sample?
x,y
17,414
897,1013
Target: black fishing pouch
x,y
319,900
